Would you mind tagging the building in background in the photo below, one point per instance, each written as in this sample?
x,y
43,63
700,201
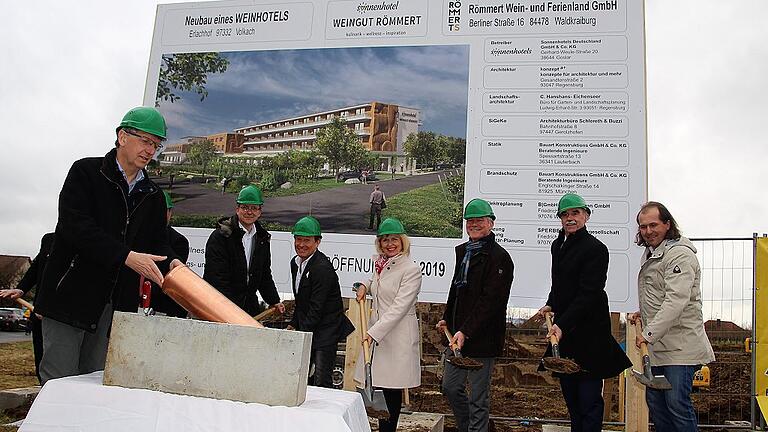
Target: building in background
x,y
382,128
226,143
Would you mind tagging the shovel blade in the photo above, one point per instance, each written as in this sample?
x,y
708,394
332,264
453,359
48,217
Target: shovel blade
x,y
379,404
640,377
368,390
375,407
367,399
657,382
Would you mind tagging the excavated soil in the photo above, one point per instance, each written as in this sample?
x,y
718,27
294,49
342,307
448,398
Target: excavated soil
x,y
520,391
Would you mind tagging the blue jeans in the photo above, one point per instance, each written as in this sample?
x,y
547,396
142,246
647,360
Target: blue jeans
x,y
672,410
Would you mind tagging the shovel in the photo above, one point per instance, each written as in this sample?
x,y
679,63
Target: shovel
x,y
557,363
375,405
267,312
458,360
647,378
25,304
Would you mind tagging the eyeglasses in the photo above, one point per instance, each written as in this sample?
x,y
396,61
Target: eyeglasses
x,y
250,208
147,142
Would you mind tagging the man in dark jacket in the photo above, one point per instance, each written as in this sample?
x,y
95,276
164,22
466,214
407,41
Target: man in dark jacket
x,y
32,278
582,321
319,308
238,260
110,232
476,315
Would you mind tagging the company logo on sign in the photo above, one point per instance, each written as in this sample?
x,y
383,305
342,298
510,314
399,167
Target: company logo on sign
x,y
454,15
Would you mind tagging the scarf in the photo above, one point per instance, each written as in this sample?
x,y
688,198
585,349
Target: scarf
x,y
380,263
461,276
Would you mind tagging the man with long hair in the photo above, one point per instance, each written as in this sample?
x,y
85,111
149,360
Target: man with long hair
x,y
670,311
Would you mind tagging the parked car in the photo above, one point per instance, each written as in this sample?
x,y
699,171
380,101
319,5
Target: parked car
x,y
355,174
444,166
12,319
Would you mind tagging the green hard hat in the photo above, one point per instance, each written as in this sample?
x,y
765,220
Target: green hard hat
x,y
168,202
307,227
391,226
145,119
571,201
250,195
478,208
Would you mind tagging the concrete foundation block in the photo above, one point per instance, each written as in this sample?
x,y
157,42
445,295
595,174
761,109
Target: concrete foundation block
x,y
14,398
420,422
200,358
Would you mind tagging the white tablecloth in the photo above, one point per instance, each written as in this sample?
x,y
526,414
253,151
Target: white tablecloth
x,y
82,403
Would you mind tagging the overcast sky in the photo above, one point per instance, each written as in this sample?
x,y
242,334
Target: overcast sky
x,y
264,86
71,69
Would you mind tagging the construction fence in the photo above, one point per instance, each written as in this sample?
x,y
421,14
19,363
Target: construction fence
x,y
522,394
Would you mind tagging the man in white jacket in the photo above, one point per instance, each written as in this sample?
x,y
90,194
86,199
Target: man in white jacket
x,y
670,310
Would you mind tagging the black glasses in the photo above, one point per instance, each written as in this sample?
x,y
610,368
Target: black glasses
x,y
147,142
250,208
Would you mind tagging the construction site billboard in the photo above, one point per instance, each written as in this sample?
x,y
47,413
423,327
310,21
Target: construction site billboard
x,y
515,102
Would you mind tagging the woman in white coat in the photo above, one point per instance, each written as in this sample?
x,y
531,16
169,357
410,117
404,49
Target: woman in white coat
x,y
393,330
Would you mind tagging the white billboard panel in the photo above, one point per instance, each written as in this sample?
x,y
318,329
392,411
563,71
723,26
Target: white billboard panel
x,y
549,96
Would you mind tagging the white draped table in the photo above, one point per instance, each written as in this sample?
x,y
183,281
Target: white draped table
x,y
82,403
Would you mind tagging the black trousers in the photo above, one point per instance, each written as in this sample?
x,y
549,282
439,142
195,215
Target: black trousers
x,y
584,398
37,341
394,400
323,358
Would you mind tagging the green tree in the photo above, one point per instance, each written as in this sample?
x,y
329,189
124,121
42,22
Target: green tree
x,y
456,150
340,145
306,164
360,157
425,147
202,153
187,72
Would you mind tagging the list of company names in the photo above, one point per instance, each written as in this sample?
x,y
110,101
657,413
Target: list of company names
x,y
555,114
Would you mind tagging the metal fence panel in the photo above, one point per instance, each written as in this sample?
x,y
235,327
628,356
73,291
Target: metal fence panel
x,y
521,391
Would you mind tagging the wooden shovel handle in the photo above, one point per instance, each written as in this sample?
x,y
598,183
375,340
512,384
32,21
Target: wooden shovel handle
x,y
269,311
450,340
25,303
644,345
552,339
364,331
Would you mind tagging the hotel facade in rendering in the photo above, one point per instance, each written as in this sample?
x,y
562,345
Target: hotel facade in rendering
x,y
381,127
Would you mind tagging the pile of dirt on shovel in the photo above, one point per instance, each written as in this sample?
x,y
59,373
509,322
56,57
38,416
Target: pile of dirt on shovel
x,y
280,321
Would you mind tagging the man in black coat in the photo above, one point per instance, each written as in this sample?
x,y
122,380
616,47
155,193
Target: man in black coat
x,y
582,319
110,232
476,315
238,260
319,308
32,278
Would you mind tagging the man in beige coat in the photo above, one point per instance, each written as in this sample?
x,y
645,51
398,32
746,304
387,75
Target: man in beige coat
x,y
670,310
